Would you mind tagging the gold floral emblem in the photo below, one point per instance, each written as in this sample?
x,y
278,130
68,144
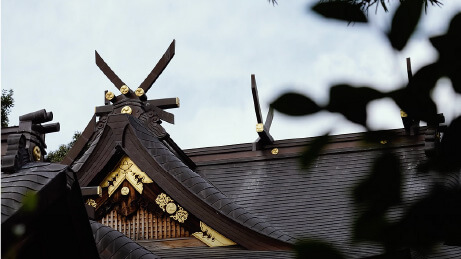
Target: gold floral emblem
x,y
168,204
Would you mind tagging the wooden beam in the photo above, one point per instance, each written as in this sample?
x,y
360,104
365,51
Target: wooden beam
x,y
269,118
163,115
80,143
158,69
92,191
108,71
103,110
165,103
410,74
254,91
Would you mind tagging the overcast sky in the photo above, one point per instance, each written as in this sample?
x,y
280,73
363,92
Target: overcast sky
x,y
48,46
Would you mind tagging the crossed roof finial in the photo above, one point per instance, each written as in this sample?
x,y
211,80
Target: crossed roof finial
x,y
141,91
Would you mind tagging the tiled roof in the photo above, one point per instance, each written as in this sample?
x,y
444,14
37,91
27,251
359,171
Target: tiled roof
x,y
31,178
315,204
113,244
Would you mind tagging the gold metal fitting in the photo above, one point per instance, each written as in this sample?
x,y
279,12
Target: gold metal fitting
x,y
384,142
92,203
125,190
126,110
37,153
403,114
124,89
110,96
274,151
259,127
139,92
171,208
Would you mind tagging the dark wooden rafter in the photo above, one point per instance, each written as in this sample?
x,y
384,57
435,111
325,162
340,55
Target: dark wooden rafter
x,y
158,69
262,128
80,143
108,71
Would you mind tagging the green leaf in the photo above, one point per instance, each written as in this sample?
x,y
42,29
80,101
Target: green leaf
x,y
352,101
295,104
313,150
404,23
340,10
314,249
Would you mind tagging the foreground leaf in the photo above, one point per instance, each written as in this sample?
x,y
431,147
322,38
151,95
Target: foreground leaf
x,y
295,104
313,249
341,10
313,151
352,101
404,23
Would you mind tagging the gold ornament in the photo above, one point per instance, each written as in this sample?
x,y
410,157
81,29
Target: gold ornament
x,y
91,202
125,190
259,127
124,89
126,110
171,208
275,151
37,153
168,204
139,92
126,169
110,95
211,237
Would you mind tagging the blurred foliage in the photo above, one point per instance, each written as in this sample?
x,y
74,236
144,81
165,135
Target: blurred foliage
x,y
58,155
7,104
30,201
365,5
433,218
316,249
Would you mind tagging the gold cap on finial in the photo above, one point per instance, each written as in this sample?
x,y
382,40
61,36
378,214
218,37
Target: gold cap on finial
x,y
109,95
124,89
139,92
259,127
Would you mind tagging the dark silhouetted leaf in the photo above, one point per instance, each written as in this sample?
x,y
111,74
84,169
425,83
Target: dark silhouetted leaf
x,y
341,10
370,227
352,101
449,48
432,220
313,249
382,188
313,150
417,104
447,158
404,22
382,137
424,79
295,104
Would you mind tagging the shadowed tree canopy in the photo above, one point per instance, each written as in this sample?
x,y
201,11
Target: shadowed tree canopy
x,y
7,104
57,155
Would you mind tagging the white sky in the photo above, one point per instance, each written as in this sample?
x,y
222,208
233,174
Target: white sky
x,y
47,58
